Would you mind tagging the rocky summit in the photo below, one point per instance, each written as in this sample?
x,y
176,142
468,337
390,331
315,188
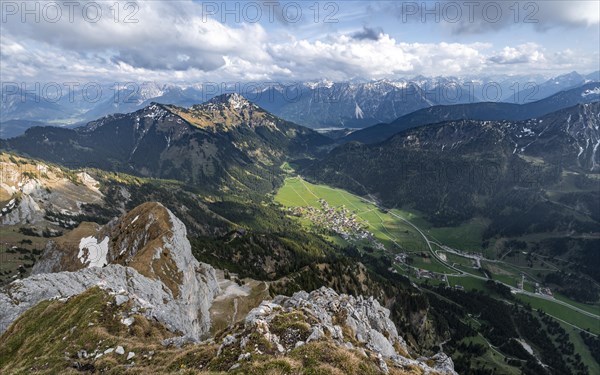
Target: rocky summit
x,y
359,325
144,256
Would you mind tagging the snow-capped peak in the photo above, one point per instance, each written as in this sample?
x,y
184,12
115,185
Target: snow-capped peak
x,y
594,91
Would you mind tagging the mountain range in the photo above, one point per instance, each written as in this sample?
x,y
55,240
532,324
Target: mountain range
x,y
323,104
522,177
552,86
587,93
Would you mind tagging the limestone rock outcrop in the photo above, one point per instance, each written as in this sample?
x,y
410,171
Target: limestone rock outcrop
x,y
144,257
355,323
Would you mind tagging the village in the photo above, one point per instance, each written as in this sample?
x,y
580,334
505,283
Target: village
x,y
338,220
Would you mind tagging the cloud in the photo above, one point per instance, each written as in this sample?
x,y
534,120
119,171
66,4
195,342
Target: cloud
x,y
579,13
343,57
368,33
522,54
474,17
160,35
174,42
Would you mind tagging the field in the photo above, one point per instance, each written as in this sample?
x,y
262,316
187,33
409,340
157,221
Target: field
x,y
467,282
457,260
389,230
466,237
430,264
562,312
594,309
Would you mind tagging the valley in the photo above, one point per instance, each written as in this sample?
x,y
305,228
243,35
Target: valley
x,y
425,258
382,227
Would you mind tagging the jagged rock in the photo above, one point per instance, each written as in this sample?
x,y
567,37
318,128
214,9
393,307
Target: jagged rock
x,y
177,342
316,334
228,340
443,363
366,320
365,317
27,211
382,364
120,350
35,185
130,355
149,261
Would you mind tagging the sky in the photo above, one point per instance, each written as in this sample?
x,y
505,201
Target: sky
x,y
271,41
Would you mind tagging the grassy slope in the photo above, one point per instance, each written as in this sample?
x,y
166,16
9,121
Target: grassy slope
x,y
46,340
581,348
47,337
492,357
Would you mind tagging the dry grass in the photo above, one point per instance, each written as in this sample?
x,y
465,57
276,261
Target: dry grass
x,y
143,260
46,339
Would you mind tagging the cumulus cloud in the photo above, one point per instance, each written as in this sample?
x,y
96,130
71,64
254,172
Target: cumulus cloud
x,y
343,57
159,35
522,54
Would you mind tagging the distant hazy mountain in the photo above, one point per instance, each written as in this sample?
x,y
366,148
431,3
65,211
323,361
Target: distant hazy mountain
x,y
361,104
22,105
130,98
586,93
82,104
550,87
227,141
346,105
324,104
